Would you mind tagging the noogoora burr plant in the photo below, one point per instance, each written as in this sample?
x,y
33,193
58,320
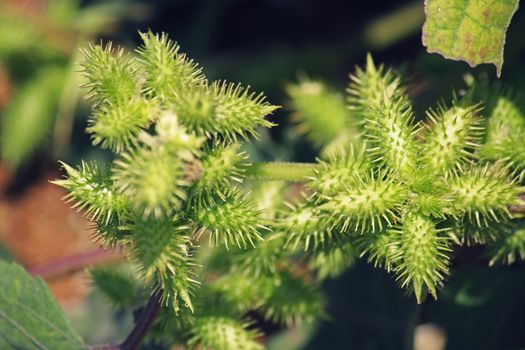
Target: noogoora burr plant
x,y
396,191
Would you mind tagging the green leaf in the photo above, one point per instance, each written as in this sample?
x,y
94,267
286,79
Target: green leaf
x,y
29,316
472,31
29,118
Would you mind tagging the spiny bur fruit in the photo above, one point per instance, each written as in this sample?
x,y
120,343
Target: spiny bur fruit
x,y
416,188
180,199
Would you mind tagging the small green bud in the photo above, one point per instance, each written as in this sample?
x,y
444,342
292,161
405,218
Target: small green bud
x,y
332,261
381,248
117,286
379,100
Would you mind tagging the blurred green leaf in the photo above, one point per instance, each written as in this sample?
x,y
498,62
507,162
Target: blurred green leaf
x,y
395,26
62,12
471,31
30,318
29,117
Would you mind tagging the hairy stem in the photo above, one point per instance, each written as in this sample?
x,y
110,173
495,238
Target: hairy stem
x,y
74,262
281,171
144,323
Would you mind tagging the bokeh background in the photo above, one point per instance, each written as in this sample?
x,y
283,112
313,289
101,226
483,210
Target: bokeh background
x,y
265,44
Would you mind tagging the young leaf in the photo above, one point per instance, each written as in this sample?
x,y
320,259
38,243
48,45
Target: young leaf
x,y
30,318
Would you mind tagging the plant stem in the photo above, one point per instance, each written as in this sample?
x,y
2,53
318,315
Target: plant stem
x,y
280,171
143,325
74,262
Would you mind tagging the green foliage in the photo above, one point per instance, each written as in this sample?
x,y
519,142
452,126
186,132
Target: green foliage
x,y
38,44
30,115
473,32
30,318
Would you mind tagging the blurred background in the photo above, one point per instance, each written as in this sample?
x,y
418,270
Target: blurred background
x,y
265,44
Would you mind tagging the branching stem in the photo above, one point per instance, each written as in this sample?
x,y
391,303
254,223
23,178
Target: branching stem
x,y
281,171
74,263
144,323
